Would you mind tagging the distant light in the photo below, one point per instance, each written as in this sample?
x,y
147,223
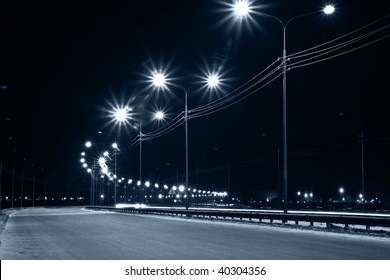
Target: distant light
x,y
130,181
137,205
89,170
138,183
83,154
360,196
329,9
147,184
85,165
82,160
88,144
181,188
341,114
311,194
341,190
115,145
241,8
298,193
105,154
165,187
156,186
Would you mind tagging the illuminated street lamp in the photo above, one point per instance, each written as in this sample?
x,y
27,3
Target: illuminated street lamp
x,y
115,147
159,81
122,115
242,9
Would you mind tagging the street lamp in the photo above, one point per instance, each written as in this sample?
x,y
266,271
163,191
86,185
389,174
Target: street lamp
x,y
88,145
342,114
122,115
159,81
115,147
242,9
342,193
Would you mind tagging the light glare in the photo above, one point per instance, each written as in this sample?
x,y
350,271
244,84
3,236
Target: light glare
x,y
159,80
159,115
213,80
121,114
241,8
329,9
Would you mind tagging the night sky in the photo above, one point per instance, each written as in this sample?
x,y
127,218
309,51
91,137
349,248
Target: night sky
x,y
64,65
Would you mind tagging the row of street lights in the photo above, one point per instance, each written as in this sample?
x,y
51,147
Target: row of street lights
x,y
241,10
160,81
105,171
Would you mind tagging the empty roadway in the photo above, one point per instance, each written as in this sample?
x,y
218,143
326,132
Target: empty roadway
x,y
75,233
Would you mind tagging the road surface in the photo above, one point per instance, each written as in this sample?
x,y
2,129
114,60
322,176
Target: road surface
x,y
78,234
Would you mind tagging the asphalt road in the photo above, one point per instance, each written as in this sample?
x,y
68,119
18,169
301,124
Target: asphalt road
x,y
75,233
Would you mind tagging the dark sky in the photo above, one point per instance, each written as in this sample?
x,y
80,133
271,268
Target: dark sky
x,y
63,65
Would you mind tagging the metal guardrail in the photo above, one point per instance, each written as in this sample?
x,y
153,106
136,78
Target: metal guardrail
x,y
346,220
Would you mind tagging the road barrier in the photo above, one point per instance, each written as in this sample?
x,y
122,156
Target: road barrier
x,y
329,219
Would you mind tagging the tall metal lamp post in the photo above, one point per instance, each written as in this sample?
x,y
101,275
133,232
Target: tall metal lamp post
x,y
159,81
242,9
121,115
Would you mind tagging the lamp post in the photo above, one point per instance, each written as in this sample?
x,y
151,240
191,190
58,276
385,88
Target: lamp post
x,y
242,9
342,114
115,147
121,115
159,81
